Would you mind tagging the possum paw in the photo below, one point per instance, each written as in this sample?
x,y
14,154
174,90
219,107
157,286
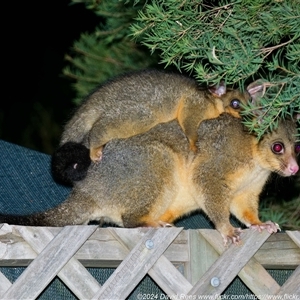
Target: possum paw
x,y
96,154
232,237
269,226
165,224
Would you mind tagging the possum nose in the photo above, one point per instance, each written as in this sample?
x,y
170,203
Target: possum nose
x,y
293,169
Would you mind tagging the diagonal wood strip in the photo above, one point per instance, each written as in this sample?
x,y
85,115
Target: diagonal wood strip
x,y
163,272
225,268
254,275
73,274
5,284
49,262
137,263
295,236
292,286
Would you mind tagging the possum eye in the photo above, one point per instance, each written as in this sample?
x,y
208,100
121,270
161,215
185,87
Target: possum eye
x,y
235,103
277,148
297,148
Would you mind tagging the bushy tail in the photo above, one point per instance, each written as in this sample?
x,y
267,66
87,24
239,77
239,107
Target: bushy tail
x,y
29,220
70,163
77,209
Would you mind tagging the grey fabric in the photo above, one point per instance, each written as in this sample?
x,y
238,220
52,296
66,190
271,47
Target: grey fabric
x,y
26,186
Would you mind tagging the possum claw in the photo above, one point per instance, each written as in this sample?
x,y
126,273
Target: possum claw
x,y
233,238
269,226
164,224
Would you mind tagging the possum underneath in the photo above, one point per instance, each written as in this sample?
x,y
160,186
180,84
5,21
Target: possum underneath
x,y
154,178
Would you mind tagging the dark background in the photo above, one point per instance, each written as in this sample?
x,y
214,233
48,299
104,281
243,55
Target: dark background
x,y
37,98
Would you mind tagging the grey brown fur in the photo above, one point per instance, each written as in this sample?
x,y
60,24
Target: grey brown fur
x,y
153,179
134,103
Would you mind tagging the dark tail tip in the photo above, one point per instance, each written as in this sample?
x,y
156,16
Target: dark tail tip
x,y
70,163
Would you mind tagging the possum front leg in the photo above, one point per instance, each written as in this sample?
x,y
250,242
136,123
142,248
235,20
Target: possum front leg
x,y
245,208
217,208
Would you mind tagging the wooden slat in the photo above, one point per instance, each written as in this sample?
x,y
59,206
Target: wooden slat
x,y
163,272
102,249
279,251
281,247
292,285
254,275
169,279
230,264
202,256
295,236
136,265
73,274
45,267
5,284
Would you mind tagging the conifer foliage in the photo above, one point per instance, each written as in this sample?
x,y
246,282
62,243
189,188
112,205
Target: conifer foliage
x,y
234,41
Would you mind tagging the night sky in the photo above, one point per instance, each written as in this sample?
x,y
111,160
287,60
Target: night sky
x,y
38,99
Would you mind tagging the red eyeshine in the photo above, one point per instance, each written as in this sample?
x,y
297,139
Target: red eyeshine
x,y
277,148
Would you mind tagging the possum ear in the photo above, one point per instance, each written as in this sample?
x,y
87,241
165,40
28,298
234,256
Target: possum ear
x,y
218,90
256,90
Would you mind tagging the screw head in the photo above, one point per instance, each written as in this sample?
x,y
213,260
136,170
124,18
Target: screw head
x,y
215,282
149,244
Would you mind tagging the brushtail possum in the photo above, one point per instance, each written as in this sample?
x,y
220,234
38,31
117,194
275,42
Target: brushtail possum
x,y
134,103
152,179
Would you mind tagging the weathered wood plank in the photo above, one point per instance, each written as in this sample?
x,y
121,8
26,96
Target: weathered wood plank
x,y
5,284
73,274
295,236
163,272
291,286
177,251
202,256
102,250
169,279
254,275
45,267
14,251
135,266
279,251
225,269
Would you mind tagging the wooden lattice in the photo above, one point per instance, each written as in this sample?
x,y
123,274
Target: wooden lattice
x,y
207,267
